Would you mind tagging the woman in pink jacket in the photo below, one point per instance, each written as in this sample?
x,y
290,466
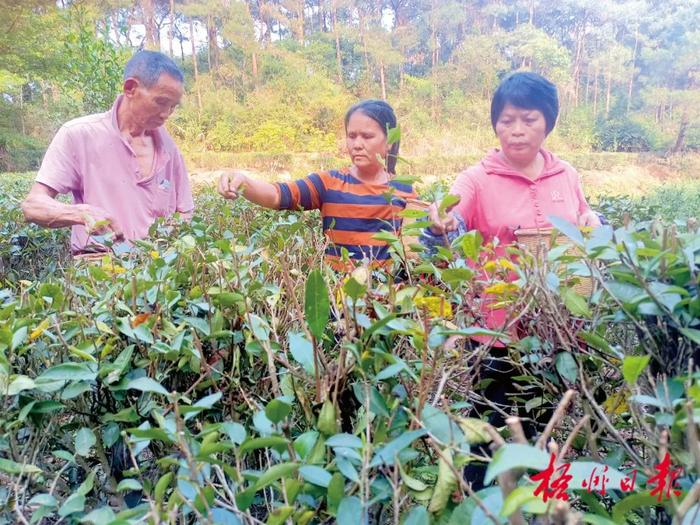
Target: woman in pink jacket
x,y
520,185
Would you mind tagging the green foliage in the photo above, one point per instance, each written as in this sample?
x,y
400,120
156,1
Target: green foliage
x,y
94,69
671,203
182,372
285,88
19,152
576,127
292,113
621,134
26,251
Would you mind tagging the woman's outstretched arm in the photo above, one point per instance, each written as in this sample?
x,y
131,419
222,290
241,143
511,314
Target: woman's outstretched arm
x,y
232,184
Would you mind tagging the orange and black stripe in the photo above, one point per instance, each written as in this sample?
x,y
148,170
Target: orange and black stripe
x,y
352,211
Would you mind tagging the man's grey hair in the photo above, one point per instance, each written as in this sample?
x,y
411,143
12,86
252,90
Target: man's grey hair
x,y
148,66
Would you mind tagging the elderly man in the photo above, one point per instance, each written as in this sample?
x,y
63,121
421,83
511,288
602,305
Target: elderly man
x,y
121,166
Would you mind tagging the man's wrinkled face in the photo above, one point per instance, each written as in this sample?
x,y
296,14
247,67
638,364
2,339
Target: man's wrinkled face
x,y
153,105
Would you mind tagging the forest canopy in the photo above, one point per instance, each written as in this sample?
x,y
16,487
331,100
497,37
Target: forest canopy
x,y
276,75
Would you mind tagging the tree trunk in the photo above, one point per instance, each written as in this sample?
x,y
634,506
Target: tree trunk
x,y
21,110
255,68
195,67
577,64
44,98
114,22
212,38
130,21
171,27
434,61
266,25
608,91
336,34
361,21
382,79
321,18
208,43
402,73
634,62
682,131
532,12
300,20
151,38
588,81
595,91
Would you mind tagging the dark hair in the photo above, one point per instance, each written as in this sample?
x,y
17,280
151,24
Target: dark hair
x,y
148,66
528,91
383,114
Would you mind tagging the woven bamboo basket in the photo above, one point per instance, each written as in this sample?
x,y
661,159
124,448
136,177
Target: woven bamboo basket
x,y
538,241
411,236
91,257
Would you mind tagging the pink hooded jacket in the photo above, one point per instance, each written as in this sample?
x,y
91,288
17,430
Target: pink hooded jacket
x,y
496,199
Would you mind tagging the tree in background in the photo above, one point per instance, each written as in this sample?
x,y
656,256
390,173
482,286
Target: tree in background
x,y
271,75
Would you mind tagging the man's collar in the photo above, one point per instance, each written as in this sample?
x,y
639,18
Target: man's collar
x,y
113,115
156,133
162,154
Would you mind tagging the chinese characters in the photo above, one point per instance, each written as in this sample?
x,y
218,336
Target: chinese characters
x,y
554,481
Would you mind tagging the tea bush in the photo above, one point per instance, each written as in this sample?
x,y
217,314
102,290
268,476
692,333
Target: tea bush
x,y
667,204
217,372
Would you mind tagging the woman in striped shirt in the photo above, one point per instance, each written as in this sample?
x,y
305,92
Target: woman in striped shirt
x,y
356,202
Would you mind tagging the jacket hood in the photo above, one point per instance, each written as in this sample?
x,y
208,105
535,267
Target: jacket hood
x,y
495,164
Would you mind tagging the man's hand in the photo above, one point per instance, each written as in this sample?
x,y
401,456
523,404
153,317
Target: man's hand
x,y
441,224
99,222
41,207
232,184
589,218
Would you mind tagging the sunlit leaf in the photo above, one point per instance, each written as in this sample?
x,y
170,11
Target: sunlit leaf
x,y
316,303
146,384
515,455
316,475
85,439
350,511
567,367
633,366
386,454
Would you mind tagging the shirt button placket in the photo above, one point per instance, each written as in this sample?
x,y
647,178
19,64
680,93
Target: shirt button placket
x,y
538,212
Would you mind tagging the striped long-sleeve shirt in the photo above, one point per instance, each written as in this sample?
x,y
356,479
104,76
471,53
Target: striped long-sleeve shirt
x,y
353,211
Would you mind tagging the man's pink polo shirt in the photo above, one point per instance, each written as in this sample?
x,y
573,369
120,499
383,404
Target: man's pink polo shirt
x,y
496,199
89,158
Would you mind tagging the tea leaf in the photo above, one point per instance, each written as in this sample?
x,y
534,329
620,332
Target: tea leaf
x,y
84,441
279,471
417,516
515,455
316,475
316,303
386,454
568,229
12,467
128,484
350,511
567,367
146,384
276,410
633,366
302,351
